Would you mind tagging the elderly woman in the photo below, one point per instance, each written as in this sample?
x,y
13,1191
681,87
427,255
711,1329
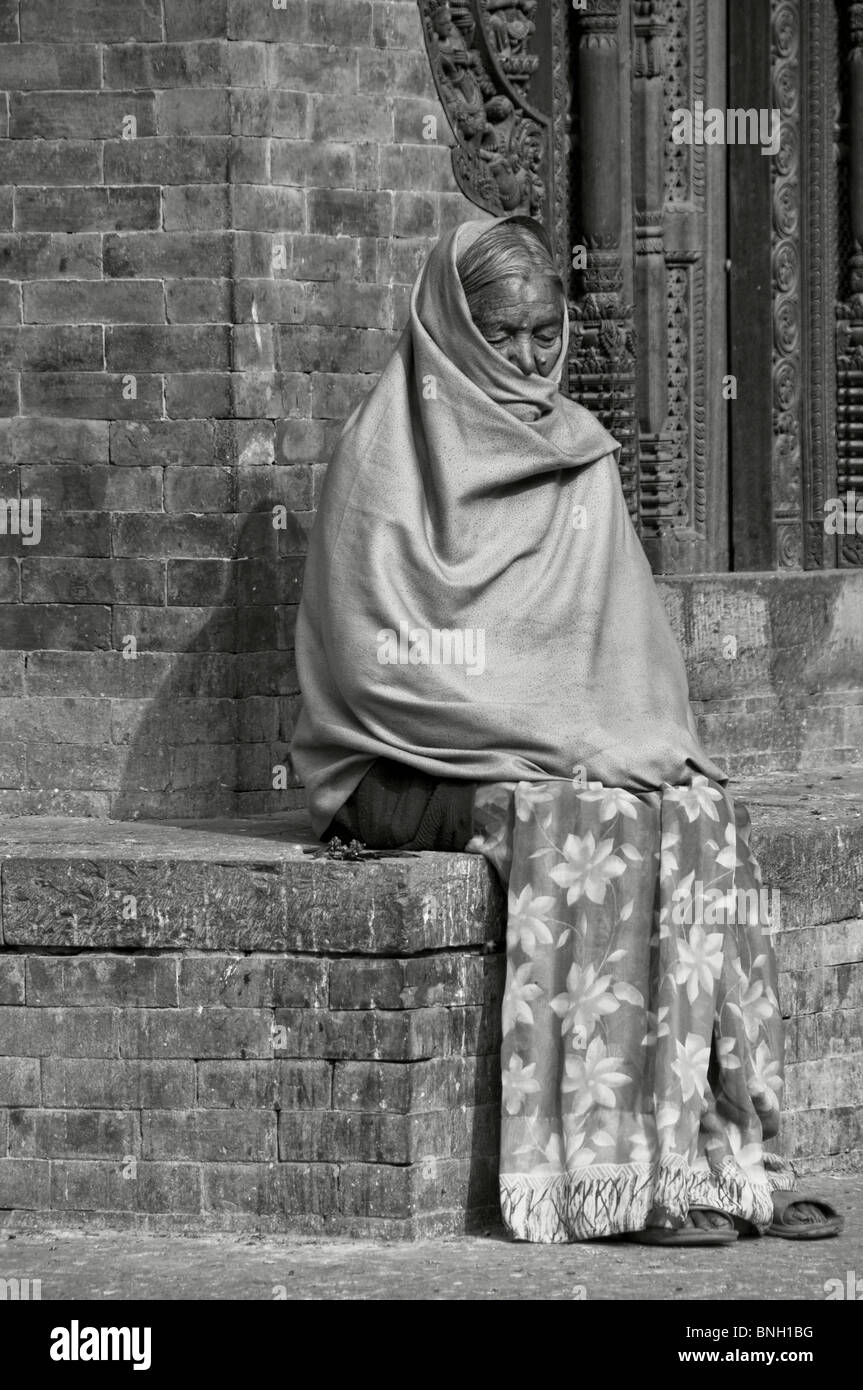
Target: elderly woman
x,y
486,665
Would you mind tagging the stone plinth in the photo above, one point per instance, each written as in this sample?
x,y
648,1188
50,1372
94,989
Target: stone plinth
x,y
203,1028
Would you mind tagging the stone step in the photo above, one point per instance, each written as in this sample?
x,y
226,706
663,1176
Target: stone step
x,y
203,1027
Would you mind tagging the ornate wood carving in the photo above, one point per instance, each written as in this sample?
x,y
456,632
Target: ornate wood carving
x,y
602,364
819,423
787,265
660,494
481,60
849,309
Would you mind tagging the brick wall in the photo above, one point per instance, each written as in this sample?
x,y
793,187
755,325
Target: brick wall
x,y
244,253
201,1030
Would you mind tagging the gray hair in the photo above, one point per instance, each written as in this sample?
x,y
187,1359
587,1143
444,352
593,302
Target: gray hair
x,y
520,246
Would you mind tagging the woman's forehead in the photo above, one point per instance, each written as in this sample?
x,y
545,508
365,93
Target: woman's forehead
x,y
517,292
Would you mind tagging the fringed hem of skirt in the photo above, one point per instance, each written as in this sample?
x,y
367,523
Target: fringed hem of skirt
x,y
616,1199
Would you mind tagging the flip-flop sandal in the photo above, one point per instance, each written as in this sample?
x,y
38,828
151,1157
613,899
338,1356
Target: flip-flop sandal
x,y
684,1235
803,1230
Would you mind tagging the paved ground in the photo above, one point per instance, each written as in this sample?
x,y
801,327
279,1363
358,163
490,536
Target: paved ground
x,y
76,1265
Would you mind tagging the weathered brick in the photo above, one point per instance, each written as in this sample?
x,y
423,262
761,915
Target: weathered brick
x,y
418,1087
11,981
196,301
9,25
312,67
393,1035
79,115
10,303
190,395
269,114
38,255
87,210
124,1186
77,488
98,20
350,305
336,212
84,769
212,1136
121,301
174,535
12,756
426,981
50,66
23,1184
49,161
51,349
196,19
160,65
831,1082
338,21
251,1085
167,349
192,721
62,1032
90,394
63,626
165,254
372,1189
258,981
111,1085
72,1133
172,629
278,1189
202,767
193,112
197,207
326,1136
180,1033
267,209
166,442
147,981
199,490
19,1081
178,160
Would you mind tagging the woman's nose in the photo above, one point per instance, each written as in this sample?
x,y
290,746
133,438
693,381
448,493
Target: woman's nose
x,y
521,356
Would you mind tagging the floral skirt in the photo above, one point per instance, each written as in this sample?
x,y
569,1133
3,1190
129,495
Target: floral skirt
x,y
642,1039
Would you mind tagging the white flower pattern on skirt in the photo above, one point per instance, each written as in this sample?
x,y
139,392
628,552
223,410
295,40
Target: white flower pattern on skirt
x,y
642,1039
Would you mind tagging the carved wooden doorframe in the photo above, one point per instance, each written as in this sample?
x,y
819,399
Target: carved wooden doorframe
x,y
567,113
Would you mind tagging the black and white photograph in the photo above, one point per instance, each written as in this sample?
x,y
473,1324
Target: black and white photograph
x,y
431,669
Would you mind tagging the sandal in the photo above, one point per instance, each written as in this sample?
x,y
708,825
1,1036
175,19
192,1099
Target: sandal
x,y
686,1235
803,1230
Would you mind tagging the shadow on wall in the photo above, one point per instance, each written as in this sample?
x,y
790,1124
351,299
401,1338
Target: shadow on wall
x,y
214,738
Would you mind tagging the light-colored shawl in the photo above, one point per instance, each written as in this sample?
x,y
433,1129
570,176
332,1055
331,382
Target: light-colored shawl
x,y
476,602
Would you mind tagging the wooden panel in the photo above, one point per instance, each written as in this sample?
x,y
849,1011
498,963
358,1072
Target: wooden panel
x,y
750,193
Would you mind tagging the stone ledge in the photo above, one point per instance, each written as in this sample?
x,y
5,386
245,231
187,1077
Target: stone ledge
x,y
246,885
286,1044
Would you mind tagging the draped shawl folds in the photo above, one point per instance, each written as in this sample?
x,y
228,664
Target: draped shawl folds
x,y
476,602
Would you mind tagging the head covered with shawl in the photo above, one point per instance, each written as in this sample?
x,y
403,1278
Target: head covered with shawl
x,y
476,603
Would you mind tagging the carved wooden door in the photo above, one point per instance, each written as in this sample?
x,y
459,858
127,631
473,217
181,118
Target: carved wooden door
x,y
716,292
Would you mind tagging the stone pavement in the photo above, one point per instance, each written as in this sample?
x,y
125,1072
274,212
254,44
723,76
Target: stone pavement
x,y
75,1266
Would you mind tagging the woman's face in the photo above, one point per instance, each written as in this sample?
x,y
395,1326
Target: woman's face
x,y
522,319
